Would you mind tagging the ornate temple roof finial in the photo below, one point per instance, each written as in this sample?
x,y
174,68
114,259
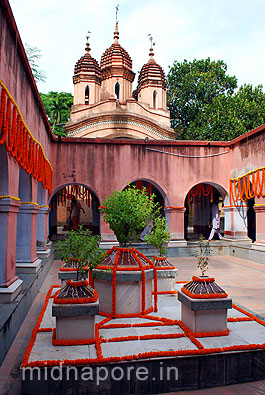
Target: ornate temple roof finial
x,y
151,53
116,33
87,43
117,9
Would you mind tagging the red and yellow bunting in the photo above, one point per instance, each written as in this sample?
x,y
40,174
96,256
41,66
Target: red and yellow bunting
x,y
200,190
247,186
20,143
77,191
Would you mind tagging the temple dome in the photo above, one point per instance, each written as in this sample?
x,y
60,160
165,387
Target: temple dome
x,y
87,67
116,57
151,74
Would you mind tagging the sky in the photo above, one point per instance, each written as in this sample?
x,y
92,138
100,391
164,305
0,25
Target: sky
x,y
230,30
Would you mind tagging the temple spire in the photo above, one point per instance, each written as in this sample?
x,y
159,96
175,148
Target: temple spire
x,y
116,32
87,42
152,44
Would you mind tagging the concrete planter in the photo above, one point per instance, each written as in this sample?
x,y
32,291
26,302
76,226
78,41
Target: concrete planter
x,y
123,284
204,312
75,321
166,274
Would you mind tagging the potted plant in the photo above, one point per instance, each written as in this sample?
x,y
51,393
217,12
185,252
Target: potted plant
x,y
127,212
80,253
159,235
202,255
204,303
165,271
76,303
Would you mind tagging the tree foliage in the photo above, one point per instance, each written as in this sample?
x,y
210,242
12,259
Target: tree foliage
x,y
33,55
205,105
82,248
128,212
159,236
57,107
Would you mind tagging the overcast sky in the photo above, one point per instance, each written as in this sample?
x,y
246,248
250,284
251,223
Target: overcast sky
x,y
231,30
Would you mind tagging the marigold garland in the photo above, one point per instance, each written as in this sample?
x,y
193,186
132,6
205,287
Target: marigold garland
x,y
20,143
64,342
92,299
203,279
203,296
239,319
147,355
247,186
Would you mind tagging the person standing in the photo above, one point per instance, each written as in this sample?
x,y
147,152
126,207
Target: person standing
x,y
215,221
75,212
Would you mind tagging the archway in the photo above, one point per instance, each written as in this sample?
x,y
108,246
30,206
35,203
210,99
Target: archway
x,y
60,204
152,188
198,209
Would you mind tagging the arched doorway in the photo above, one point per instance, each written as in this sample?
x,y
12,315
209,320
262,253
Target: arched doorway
x,y
151,188
60,205
198,210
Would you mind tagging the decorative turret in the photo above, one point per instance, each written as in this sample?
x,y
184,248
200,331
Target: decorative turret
x,y
116,68
151,87
87,79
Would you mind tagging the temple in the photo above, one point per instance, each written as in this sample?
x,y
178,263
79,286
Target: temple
x,y
115,136
105,104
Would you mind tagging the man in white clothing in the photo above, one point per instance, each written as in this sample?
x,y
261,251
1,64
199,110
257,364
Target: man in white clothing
x,y
215,221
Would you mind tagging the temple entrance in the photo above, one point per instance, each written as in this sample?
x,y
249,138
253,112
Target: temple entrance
x,y
197,217
62,217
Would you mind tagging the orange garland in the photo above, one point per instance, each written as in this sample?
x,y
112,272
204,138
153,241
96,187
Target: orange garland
x,y
93,299
20,143
203,296
243,188
152,354
203,279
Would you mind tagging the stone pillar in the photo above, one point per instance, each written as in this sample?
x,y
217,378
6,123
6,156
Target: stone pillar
x,y
42,227
26,257
176,225
236,223
10,284
259,208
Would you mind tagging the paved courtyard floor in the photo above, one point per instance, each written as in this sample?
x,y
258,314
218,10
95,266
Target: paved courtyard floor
x,y
243,280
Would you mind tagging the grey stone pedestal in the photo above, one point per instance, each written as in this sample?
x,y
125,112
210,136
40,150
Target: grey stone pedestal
x,y
75,321
204,315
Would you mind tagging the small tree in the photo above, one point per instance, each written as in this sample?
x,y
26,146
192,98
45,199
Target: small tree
x,y
202,254
80,249
159,236
128,212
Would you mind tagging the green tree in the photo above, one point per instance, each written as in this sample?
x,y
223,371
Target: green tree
x,y
194,85
57,107
159,236
128,212
33,55
229,116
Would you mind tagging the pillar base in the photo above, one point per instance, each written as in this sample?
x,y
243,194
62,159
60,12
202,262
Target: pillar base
x,y
107,245
237,240
28,267
8,294
177,243
44,255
